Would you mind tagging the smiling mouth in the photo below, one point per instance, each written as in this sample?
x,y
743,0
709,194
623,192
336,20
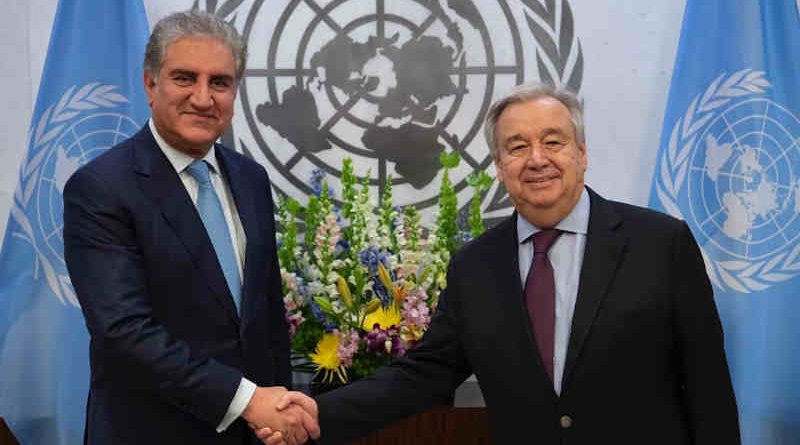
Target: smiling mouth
x,y
200,116
540,181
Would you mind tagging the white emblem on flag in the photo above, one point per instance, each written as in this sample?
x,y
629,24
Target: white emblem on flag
x,y
70,133
731,171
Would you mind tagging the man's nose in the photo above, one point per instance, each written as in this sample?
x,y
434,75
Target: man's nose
x,y
537,156
202,96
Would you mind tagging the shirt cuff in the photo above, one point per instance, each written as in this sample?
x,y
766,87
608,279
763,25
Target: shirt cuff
x,y
240,400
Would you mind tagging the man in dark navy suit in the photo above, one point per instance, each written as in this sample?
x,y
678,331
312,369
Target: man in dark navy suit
x,y
585,320
170,244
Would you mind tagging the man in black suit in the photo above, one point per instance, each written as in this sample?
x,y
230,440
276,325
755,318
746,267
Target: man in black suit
x,y
611,337
170,244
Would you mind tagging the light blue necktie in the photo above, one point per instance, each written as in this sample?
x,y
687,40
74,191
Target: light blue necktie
x,y
210,209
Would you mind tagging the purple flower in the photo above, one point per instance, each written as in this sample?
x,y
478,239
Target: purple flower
x,y
376,340
385,341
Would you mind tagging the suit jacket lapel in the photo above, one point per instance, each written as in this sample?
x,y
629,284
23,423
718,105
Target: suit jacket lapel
x,y
161,184
505,264
605,245
242,193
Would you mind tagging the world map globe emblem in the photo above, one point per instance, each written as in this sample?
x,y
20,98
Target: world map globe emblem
x,y
389,84
743,184
79,142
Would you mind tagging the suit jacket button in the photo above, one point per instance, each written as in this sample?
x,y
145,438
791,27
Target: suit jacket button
x,y
565,421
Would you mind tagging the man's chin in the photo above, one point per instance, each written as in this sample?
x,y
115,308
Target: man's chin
x,y
541,200
200,139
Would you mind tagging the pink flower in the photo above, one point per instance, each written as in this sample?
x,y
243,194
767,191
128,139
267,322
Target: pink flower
x,y
294,320
416,313
348,346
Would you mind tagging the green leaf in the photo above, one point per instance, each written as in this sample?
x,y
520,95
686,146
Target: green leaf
x,y
325,305
449,160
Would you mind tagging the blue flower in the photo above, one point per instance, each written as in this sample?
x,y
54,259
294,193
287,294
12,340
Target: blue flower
x,y
341,246
317,180
381,292
317,177
320,316
370,257
302,288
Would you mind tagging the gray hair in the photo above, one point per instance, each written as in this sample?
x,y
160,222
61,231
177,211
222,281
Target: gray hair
x,y
192,24
529,92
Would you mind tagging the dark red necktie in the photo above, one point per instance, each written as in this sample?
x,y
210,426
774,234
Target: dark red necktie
x,y
540,296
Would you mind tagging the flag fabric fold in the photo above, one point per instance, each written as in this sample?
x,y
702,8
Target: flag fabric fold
x,y
90,97
729,164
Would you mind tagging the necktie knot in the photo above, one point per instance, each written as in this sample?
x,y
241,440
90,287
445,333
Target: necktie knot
x,y
543,240
198,169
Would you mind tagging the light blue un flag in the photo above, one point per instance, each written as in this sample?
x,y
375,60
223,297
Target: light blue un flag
x,y
90,97
729,164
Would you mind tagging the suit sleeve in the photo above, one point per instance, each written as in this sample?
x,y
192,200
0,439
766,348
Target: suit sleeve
x,y
110,278
707,388
428,375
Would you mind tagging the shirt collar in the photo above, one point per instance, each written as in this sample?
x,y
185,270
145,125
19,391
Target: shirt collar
x,y
577,221
177,158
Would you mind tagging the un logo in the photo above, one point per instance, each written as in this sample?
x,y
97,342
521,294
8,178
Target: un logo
x,y
390,85
70,133
731,172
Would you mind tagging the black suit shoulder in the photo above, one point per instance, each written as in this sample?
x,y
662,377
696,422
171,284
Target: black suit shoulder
x,y
643,215
490,241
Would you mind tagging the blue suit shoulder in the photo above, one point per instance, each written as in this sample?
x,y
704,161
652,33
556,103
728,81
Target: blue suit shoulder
x,y
111,167
249,167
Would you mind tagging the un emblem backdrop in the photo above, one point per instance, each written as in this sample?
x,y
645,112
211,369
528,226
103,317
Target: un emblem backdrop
x,y
390,84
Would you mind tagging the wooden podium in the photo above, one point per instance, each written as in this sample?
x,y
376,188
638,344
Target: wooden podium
x,y
444,425
439,426
6,438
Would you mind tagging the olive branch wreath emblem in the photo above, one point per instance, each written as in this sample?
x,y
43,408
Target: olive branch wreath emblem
x,y
738,275
555,36
43,135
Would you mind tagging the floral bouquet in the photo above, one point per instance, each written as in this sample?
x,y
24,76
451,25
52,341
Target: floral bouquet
x,y
360,285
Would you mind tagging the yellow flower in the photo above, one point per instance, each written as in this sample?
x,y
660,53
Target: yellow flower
x,y
326,357
344,291
384,316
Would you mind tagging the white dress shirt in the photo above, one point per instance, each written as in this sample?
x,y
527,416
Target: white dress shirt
x,y
180,161
566,257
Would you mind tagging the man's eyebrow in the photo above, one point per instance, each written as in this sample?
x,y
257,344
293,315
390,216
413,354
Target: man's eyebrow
x,y
514,138
181,71
551,131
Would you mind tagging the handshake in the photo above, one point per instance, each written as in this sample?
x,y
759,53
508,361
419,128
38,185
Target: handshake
x,y
278,416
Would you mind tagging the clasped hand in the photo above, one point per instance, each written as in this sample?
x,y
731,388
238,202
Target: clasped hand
x,y
280,417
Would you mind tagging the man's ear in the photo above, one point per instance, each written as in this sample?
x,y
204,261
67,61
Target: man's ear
x,y
149,87
498,166
582,150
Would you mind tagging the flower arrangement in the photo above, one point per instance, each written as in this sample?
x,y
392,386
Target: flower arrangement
x,y
362,282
